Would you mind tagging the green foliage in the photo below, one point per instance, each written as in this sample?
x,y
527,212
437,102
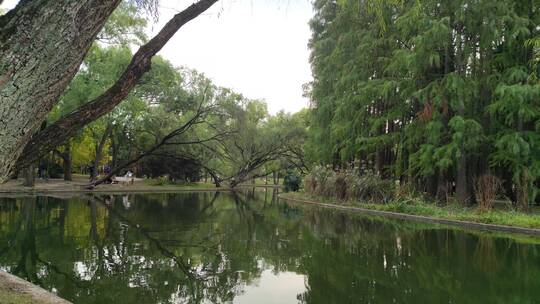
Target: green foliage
x,y
427,92
233,139
126,26
348,185
292,181
161,181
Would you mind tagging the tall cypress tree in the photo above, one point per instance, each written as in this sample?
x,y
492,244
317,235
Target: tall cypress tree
x,y
433,93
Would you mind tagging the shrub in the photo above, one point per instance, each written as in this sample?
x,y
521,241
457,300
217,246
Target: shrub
x,y
310,184
486,189
292,181
407,194
348,185
371,188
55,170
339,185
161,181
322,177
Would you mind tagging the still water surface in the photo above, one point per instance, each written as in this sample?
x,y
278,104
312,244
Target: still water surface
x,y
251,248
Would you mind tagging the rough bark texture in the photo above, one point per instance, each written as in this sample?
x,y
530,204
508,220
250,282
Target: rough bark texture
x,y
29,177
66,160
99,151
42,44
67,126
462,190
67,163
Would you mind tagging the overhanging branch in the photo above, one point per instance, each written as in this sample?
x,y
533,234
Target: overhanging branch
x,y
66,127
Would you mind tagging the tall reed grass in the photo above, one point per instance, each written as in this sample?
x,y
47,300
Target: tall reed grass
x,y
348,185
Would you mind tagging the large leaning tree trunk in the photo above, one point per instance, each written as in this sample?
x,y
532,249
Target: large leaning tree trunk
x,y
67,126
42,45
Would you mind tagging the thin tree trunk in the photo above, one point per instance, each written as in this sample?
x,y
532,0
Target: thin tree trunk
x,y
99,152
67,163
29,177
462,190
114,145
217,182
443,187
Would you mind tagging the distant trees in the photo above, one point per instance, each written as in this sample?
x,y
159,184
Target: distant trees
x,y
257,140
431,93
174,123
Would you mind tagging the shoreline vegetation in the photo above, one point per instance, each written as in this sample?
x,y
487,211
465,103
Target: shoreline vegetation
x,y
405,204
452,214
369,191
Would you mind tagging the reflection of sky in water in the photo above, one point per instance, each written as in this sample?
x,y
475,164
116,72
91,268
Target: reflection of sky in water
x,y
272,288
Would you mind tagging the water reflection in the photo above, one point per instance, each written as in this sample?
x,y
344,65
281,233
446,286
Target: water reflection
x,y
250,248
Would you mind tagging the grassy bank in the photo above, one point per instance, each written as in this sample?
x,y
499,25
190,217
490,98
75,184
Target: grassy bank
x,y
449,212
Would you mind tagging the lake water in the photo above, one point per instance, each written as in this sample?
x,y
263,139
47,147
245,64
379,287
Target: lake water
x,y
252,248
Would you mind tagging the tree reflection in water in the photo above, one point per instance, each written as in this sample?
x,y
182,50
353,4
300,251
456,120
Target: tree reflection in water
x,y
208,247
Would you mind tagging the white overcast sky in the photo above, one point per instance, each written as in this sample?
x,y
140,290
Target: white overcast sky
x,y
256,47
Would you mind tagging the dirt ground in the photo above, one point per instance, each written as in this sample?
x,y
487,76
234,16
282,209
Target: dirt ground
x,y
80,184
14,290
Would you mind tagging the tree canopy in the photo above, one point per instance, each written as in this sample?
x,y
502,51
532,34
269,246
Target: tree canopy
x,y
432,93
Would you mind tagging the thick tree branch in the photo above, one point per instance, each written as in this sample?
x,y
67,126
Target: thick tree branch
x,y
66,127
198,118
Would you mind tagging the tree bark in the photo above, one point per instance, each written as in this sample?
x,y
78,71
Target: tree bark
x,y
443,187
217,182
99,151
462,190
115,147
67,163
66,160
67,126
42,45
29,177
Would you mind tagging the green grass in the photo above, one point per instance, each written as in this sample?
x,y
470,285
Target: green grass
x,y
262,182
451,212
162,183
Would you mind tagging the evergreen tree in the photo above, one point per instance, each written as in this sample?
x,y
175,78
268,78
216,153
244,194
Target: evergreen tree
x,y
431,93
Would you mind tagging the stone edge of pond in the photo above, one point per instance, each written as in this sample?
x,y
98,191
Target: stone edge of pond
x,y
420,218
20,288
